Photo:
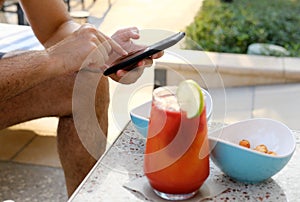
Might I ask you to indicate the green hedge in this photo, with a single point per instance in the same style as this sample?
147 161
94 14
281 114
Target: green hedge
232 27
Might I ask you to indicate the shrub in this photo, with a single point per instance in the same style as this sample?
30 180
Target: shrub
232 27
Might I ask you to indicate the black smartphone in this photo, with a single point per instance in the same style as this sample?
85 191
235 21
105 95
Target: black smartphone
129 62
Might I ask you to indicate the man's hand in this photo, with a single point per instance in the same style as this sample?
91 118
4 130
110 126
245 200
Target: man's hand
87 48
123 38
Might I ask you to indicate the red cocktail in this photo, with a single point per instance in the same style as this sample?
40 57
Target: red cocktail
176 159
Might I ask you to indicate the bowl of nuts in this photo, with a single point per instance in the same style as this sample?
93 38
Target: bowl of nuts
253 150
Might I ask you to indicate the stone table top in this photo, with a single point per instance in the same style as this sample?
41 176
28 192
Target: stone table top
123 162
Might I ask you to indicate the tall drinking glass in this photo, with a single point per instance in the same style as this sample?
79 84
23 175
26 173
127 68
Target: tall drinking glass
176 160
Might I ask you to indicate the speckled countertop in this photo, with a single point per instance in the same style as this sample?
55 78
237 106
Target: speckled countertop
123 162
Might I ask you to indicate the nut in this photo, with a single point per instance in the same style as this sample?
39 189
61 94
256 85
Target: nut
245 143
272 153
261 148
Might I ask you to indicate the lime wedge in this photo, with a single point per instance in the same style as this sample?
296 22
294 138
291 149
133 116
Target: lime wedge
190 98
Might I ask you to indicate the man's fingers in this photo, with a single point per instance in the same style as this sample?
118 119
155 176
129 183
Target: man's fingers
157 55
117 48
103 50
145 63
110 44
127 77
127 33
104 42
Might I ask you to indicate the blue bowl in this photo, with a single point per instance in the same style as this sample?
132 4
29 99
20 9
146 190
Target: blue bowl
140 118
140 115
247 165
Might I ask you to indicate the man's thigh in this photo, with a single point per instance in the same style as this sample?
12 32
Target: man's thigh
52 98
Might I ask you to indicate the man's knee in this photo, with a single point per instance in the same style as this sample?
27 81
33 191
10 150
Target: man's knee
68 86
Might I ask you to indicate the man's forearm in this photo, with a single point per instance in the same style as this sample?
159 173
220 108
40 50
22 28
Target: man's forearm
63 31
49 20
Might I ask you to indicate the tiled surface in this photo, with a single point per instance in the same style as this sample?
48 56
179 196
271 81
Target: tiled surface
232 104
40 151
280 102
43 126
12 142
239 104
